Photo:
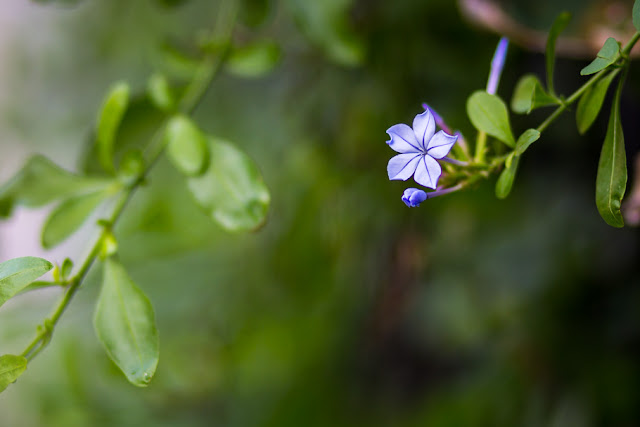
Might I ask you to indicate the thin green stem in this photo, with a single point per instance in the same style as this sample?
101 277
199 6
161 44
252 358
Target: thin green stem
188 102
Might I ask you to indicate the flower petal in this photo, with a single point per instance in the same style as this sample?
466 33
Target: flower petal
424 125
412 197
403 166
428 172
403 140
441 144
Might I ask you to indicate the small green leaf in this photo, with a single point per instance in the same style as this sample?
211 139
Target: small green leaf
132 167
591 103
125 324
11 367
113 109
505 181
611 181
41 182
540 98
609 54
253 60
489 114
17 273
558 26
69 216
523 94
160 93
527 138
636 15
65 269
186 146
231 190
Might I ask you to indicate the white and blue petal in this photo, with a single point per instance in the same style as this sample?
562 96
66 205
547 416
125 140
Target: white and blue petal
441 144
428 172
403 166
424 126
403 140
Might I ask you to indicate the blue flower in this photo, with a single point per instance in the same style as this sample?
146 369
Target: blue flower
419 149
412 197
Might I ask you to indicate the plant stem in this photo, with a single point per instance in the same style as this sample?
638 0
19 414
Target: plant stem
188 102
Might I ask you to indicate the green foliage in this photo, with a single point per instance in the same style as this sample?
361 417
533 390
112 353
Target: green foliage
591 102
231 191
186 146
609 54
41 182
611 181
17 273
527 138
558 26
125 324
253 60
636 15
113 109
506 178
160 94
11 367
489 114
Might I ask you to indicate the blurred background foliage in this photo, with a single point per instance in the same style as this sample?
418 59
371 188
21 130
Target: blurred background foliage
346 308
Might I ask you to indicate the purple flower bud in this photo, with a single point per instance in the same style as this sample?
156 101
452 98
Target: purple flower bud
412 197
497 63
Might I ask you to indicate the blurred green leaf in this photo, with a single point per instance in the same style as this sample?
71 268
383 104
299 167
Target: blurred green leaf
611 181
159 92
65 219
326 23
523 94
41 182
609 54
17 273
558 26
636 14
65 269
11 367
489 114
591 102
253 60
113 109
186 146
125 324
231 190
527 138
505 180
254 12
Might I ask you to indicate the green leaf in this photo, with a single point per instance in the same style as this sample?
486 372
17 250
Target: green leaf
17 273
11 367
69 216
41 182
505 180
558 26
611 181
609 54
489 114
527 138
159 92
231 190
253 60
523 94
186 146
540 98
591 102
636 15
113 109
125 324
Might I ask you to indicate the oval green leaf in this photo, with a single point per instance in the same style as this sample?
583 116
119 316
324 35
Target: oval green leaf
609 54
69 216
125 325
11 367
186 146
636 14
611 181
232 190
253 60
489 114
159 92
558 26
505 180
17 273
113 109
591 103
41 182
523 94
527 138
